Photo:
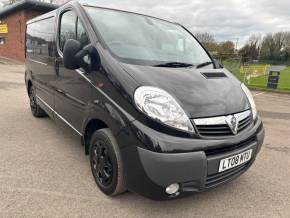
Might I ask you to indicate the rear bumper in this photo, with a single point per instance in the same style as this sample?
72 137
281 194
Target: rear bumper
149 173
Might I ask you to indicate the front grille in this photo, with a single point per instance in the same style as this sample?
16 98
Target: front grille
218 178
214 130
218 127
224 149
243 124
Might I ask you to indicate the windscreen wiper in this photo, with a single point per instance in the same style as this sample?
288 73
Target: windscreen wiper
204 64
174 64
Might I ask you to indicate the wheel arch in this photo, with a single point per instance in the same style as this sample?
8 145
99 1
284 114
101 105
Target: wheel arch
100 116
29 85
92 126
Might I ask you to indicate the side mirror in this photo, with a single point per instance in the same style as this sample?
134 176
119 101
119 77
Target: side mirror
217 64
71 48
74 56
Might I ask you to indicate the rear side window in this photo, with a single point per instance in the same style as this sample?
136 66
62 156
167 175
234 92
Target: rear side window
39 38
71 28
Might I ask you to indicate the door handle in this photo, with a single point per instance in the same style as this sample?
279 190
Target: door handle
60 91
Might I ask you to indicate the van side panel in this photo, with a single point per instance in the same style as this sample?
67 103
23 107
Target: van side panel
40 57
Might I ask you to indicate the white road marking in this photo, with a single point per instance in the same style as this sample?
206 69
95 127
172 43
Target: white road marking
260 93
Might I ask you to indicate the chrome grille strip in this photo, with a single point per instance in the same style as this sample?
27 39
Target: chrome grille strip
221 120
222 126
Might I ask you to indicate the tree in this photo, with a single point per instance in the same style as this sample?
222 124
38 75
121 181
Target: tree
286 49
208 42
12 2
205 37
251 50
275 46
226 50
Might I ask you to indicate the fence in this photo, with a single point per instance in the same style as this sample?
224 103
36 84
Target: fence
260 75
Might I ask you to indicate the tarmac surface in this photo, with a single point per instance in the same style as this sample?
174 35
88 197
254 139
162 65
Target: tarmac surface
44 172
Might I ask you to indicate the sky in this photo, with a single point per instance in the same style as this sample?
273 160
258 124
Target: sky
225 19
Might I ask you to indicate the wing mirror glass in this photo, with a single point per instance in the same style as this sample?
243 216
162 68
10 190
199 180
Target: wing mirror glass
75 57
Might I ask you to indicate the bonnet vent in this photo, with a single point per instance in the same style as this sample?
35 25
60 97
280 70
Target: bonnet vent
214 75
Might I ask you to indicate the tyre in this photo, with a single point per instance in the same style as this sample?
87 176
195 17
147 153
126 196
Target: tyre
106 163
36 110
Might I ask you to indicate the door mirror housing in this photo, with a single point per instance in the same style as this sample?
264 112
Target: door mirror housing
75 57
217 64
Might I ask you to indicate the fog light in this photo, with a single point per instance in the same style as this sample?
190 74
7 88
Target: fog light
172 189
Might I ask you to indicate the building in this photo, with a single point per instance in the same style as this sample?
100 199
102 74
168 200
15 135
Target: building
13 20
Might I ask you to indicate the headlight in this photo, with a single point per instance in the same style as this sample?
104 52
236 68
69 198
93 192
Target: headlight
251 100
161 106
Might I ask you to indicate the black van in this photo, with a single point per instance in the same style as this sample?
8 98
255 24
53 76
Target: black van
156 114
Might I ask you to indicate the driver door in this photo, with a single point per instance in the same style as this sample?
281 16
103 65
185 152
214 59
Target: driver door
73 91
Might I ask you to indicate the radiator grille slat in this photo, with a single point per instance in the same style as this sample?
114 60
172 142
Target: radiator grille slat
208 128
219 150
215 179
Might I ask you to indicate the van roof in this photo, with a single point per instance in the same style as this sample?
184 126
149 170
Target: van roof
90 4
104 6
41 17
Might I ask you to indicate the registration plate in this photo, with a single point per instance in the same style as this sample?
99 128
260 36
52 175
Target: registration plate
236 160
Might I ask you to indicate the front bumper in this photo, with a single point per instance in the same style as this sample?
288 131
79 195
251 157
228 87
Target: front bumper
149 173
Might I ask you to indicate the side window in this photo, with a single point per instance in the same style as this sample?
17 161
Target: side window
71 28
39 38
67 28
82 36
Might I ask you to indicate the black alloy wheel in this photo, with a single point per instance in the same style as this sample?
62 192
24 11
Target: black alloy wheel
36 110
106 162
102 163
32 100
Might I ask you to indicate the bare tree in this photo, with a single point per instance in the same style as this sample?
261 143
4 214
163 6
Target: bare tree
251 50
274 44
205 37
208 42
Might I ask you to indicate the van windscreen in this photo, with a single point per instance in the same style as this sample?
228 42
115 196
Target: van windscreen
134 37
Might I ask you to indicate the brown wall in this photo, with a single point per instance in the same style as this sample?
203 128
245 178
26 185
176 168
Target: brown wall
15 39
